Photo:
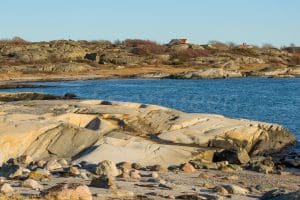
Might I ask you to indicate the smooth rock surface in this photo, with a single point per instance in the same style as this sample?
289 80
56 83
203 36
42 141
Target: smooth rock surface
95 130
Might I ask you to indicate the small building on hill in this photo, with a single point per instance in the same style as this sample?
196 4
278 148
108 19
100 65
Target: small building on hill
179 41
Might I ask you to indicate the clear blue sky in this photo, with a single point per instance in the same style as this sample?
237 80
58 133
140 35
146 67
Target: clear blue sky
252 21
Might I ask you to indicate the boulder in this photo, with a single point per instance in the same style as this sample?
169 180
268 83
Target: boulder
107 168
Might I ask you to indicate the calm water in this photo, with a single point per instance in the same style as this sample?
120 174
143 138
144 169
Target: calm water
269 100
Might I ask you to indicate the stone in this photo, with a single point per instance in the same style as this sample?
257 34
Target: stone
84 175
25 160
234 189
6 189
16 172
208 185
63 162
187 167
107 168
41 163
205 156
155 175
104 182
74 171
203 176
226 168
189 196
159 168
120 194
68 191
53 165
281 195
124 166
233 177
32 184
261 168
39 175
2 180
292 162
137 166
134 174
125 175
274 194
199 164
220 190
268 161
239 156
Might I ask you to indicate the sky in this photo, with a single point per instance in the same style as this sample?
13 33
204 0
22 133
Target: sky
251 21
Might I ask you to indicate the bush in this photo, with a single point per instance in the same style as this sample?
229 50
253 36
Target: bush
189 53
144 47
295 60
243 51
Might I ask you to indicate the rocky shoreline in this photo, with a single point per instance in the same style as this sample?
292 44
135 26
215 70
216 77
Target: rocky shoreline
52 147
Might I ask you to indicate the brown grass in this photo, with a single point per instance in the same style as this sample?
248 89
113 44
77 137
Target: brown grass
144 47
243 51
187 54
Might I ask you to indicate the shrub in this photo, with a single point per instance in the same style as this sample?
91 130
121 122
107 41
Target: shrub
189 53
243 51
295 60
144 47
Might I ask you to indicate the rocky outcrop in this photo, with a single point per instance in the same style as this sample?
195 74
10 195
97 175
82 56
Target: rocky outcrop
142 59
94 130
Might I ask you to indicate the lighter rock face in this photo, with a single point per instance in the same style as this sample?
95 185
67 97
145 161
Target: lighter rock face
94 130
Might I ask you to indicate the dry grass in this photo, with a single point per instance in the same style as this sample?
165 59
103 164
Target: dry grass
185 55
144 47
243 52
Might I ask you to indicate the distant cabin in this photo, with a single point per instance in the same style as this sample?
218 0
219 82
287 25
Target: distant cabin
179 41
